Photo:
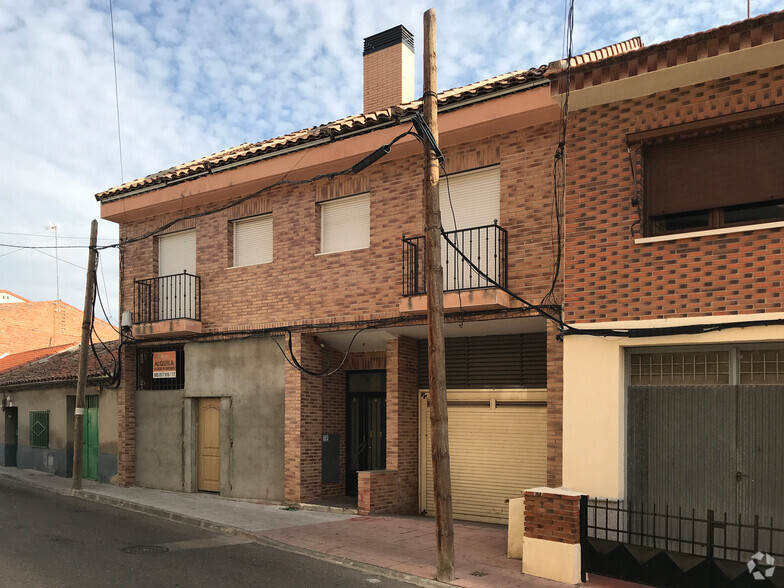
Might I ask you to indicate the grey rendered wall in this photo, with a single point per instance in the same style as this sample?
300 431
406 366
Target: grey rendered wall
159 439
249 376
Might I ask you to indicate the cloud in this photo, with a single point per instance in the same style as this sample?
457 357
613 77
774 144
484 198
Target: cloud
195 77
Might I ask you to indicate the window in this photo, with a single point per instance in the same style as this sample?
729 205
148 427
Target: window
39 428
725 178
475 198
253 240
160 369
345 224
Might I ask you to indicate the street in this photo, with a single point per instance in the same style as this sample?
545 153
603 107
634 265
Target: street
53 540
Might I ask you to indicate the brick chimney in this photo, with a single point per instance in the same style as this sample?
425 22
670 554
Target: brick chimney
389 68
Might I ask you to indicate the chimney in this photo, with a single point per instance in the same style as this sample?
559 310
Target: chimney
389 69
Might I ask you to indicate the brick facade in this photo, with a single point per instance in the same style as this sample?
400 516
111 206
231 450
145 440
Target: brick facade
552 517
126 418
610 277
554 406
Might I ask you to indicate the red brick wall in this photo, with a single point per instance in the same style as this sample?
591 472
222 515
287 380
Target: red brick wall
333 409
607 275
554 407
553 517
377 492
126 418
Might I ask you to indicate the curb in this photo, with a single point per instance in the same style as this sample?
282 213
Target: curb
214 527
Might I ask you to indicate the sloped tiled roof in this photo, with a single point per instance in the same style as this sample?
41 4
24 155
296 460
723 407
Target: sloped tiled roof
35 325
18 359
332 130
62 367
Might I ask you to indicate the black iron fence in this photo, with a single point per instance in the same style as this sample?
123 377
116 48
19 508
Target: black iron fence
673 547
167 297
468 256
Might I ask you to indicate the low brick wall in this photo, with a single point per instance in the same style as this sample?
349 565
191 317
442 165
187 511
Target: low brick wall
378 492
552 517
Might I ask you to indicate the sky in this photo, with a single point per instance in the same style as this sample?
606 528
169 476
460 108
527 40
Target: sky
195 76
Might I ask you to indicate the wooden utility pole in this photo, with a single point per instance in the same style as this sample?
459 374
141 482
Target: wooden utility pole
434 278
87 321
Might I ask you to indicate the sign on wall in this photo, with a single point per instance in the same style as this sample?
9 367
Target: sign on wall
164 364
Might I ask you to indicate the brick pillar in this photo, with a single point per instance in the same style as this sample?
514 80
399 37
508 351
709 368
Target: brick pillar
303 423
554 407
551 543
402 420
126 418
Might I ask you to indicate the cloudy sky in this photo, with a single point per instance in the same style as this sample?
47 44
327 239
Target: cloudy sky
195 77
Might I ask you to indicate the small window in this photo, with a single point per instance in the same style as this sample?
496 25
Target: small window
160 369
253 240
723 178
679 369
345 224
39 428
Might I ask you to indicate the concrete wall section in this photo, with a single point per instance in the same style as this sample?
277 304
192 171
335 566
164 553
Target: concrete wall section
594 399
159 439
249 376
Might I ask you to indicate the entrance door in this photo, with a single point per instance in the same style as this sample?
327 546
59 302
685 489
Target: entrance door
208 450
11 433
90 440
366 424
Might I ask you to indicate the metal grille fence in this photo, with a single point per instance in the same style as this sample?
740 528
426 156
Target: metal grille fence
167 297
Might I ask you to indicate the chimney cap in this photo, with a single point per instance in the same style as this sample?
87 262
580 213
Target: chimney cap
388 38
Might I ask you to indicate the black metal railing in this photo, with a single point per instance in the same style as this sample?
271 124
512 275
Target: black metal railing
468 256
167 297
707 534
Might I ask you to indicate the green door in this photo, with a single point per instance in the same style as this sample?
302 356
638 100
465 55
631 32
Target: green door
90 440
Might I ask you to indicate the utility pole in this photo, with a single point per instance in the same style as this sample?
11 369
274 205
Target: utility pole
434 278
87 322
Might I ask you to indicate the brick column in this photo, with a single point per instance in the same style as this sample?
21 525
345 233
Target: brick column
551 542
554 407
126 418
303 423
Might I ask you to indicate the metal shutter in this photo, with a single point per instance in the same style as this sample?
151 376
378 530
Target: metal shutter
475 198
253 240
177 253
495 453
345 224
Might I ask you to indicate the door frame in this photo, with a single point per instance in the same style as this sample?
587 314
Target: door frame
350 482
7 416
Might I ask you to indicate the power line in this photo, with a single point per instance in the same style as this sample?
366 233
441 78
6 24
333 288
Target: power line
116 93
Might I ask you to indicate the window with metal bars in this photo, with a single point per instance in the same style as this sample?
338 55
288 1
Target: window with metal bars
148 378
39 428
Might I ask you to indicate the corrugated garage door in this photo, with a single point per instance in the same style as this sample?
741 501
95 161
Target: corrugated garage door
498 447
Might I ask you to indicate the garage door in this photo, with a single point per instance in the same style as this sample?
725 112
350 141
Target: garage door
497 446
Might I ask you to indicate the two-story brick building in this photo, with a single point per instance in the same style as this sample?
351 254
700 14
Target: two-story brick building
240 285
673 359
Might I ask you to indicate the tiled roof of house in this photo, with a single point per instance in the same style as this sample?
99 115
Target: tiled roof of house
62 367
35 325
16 297
18 359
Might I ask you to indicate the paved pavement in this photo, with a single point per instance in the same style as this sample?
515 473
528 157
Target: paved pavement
403 547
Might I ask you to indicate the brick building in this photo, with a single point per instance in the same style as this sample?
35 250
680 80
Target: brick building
673 379
235 284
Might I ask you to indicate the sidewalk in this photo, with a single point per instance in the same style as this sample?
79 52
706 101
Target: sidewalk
404 547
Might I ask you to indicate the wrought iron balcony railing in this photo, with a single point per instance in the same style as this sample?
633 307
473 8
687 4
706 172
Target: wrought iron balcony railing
485 247
166 298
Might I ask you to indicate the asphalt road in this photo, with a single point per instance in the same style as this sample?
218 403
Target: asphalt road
51 540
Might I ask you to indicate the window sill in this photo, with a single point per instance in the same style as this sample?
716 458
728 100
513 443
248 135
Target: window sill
709 232
341 251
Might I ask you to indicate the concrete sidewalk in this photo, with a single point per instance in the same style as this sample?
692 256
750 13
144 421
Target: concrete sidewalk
403 547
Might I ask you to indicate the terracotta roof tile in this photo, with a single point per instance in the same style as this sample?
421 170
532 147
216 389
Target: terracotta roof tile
18 359
61 367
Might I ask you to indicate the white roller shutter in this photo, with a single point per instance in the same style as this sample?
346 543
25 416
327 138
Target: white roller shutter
177 253
345 224
253 240
495 453
476 198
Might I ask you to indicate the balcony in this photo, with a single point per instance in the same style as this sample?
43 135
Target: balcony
464 287
167 306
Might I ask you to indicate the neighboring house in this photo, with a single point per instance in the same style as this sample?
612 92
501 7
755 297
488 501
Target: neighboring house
7 296
14 360
38 400
208 401
26 325
674 221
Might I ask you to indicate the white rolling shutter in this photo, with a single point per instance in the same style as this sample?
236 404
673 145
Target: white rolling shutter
496 451
345 224
476 198
253 240
177 253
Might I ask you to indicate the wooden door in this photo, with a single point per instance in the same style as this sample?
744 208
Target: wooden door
208 449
